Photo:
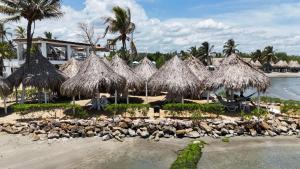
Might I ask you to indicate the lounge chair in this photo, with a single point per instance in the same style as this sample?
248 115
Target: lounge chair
230 106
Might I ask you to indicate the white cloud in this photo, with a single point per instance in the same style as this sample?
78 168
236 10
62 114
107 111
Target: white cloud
251 29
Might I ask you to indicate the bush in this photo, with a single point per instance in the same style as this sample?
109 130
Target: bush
261 113
177 109
130 108
189 157
290 109
38 106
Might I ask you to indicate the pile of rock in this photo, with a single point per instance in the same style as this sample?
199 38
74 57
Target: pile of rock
119 128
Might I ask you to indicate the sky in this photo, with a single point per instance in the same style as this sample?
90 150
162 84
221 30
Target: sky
169 25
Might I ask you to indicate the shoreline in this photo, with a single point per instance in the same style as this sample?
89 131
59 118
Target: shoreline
283 75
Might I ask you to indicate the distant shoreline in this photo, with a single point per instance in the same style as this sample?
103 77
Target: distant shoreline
287 74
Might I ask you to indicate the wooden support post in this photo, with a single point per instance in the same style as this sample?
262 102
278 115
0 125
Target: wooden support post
17 101
23 94
5 107
258 101
98 101
208 95
127 98
73 101
116 97
182 100
45 95
147 91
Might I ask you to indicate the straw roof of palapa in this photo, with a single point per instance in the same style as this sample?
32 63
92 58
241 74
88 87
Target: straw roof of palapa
198 68
39 73
93 77
176 78
5 87
236 74
281 63
105 60
71 67
294 64
256 63
145 69
120 67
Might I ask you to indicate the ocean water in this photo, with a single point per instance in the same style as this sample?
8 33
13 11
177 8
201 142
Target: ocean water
284 88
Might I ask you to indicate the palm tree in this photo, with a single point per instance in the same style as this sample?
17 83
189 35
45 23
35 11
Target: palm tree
6 52
48 35
206 53
3 32
120 23
32 11
256 56
20 32
230 47
268 56
194 51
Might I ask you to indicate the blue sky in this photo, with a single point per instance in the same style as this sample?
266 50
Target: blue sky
169 25
166 9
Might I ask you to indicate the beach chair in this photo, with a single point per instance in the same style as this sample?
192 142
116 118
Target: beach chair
229 106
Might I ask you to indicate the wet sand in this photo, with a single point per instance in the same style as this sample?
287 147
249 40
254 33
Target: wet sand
86 153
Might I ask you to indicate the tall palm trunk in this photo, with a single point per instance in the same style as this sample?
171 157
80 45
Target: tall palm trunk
29 41
1 67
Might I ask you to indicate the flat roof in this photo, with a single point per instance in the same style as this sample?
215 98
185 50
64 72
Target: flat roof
53 40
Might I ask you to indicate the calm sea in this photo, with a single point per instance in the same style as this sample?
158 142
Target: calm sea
285 88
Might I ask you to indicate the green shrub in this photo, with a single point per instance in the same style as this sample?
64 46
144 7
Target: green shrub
27 108
38 106
130 108
189 157
177 109
261 113
267 99
290 109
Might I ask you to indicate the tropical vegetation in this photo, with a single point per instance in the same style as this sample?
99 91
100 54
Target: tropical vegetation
31 11
121 24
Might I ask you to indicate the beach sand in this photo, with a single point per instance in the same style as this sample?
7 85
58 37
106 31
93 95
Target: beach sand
287 74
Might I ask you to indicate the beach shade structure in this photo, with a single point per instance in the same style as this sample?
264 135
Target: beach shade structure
294 66
281 66
176 78
71 67
133 81
235 74
5 90
105 60
38 72
145 69
93 77
198 68
256 64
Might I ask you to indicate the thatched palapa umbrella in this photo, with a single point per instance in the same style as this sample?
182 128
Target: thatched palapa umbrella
105 60
71 68
120 67
256 64
5 90
145 70
39 73
175 78
93 77
198 68
294 65
235 74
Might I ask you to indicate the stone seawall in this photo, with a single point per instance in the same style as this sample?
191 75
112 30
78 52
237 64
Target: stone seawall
119 128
